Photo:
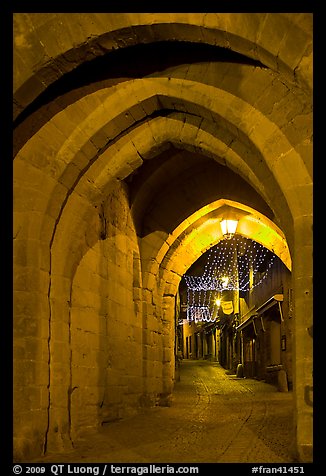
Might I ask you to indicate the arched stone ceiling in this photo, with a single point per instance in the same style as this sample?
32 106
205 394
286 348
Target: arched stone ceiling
106 130
137 143
99 124
199 232
49 45
188 179
270 95
124 98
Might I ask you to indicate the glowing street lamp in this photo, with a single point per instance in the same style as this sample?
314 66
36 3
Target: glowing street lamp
229 228
225 281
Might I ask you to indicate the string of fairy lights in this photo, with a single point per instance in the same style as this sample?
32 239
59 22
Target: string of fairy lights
232 265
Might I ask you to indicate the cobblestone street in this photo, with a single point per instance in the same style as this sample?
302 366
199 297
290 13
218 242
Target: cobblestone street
214 417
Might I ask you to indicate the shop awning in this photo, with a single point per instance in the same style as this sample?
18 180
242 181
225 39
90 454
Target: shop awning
248 319
272 301
276 299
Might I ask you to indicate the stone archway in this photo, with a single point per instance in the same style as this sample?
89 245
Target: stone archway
71 171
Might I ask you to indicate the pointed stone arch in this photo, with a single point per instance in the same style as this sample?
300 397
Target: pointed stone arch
81 156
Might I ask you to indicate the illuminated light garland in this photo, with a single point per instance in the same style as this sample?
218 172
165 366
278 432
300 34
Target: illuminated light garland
199 313
220 275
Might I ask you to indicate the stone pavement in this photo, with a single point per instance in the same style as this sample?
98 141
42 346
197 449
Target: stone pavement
214 418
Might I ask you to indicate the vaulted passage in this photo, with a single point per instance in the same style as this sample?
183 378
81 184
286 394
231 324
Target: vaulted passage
135 135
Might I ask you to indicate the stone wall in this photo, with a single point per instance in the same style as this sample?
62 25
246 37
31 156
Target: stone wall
31 310
99 349
106 332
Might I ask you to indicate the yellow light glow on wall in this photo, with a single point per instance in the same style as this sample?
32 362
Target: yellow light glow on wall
202 230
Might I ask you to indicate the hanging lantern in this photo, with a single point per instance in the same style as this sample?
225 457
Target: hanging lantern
229 227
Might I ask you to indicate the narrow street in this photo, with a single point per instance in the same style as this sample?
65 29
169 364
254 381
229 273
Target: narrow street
214 417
